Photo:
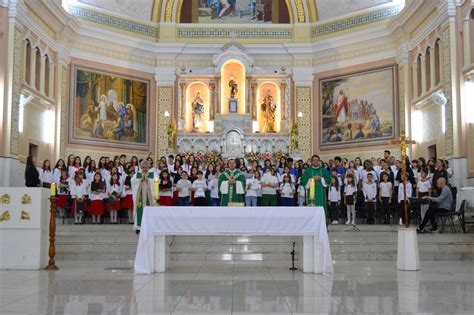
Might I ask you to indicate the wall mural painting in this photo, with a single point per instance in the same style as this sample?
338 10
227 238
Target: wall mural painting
235 11
109 109
358 108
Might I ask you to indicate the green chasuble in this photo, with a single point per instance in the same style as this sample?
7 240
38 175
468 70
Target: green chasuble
320 190
145 198
231 193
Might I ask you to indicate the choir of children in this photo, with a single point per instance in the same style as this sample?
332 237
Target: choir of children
109 185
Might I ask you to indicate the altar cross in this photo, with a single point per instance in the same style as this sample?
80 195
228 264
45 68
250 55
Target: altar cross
403 142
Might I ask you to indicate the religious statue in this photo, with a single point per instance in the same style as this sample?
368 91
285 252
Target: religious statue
233 87
268 107
232 185
171 134
198 111
294 136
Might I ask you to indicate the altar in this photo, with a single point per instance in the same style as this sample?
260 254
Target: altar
159 222
233 107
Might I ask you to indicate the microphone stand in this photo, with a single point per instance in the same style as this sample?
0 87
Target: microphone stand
293 253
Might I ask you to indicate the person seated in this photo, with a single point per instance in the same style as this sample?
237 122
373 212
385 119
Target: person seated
440 204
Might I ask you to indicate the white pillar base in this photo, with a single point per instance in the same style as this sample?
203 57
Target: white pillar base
407 254
161 259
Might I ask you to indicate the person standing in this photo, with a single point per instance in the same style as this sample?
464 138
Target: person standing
269 185
321 178
142 184
183 187
32 177
232 184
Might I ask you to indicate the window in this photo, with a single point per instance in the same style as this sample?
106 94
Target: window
437 67
418 75
38 69
28 62
428 68
46 76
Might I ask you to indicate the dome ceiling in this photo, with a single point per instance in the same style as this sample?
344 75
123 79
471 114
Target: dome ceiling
328 9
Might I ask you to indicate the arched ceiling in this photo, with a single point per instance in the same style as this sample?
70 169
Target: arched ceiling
167 10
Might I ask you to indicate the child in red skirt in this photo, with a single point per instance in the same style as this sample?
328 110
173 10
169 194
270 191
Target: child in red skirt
114 191
96 197
166 188
63 192
127 201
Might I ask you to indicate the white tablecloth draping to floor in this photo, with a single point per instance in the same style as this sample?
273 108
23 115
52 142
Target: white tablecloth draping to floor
309 222
466 193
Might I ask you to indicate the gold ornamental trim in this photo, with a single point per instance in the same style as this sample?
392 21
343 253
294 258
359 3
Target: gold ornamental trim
300 11
169 11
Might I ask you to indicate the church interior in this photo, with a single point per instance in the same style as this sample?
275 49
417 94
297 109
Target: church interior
133 84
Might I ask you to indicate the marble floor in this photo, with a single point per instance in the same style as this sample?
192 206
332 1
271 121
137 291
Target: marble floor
441 287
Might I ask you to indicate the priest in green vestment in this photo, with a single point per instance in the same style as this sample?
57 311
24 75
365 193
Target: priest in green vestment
142 186
321 177
232 185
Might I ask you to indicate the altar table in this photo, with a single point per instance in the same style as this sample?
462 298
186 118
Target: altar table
157 222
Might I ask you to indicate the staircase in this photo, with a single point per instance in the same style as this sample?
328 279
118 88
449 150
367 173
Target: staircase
115 246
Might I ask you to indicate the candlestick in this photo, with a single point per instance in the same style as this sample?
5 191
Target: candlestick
312 191
53 190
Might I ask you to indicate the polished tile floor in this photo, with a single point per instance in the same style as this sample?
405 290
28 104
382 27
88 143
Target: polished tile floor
441 287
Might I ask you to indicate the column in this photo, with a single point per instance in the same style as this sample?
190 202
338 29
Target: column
303 78
283 100
51 80
212 105
218 103
423 75
414 68
247 96
33 67
253 86
165 89
182 85
42 72
432 67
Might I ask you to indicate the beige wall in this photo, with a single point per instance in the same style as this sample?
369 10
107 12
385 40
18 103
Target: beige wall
3 79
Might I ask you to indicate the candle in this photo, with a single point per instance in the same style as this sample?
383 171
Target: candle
156 188
312 191
53 189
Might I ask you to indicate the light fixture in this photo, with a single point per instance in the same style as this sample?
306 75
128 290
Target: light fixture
48 125
300 114
167 114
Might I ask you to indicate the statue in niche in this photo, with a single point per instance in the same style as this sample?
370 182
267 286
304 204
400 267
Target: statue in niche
233 86
198 111
268 108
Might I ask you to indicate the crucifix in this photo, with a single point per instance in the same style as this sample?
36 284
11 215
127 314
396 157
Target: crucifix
403 141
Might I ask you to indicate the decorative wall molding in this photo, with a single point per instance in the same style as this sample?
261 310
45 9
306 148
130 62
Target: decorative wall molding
359 20
260 32
304 105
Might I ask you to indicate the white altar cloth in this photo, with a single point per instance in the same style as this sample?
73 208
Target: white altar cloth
157 222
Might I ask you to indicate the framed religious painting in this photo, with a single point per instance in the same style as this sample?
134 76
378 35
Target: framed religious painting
358 108
109 109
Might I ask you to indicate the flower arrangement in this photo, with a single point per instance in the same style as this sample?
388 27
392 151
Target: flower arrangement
252 156
265 156
200 156
213 157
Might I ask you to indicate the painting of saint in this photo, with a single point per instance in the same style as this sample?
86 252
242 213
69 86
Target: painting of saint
98 101
358 107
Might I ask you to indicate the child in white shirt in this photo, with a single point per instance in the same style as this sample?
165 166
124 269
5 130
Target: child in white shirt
199 187
253 185
287 192
334 199
423 189
385 197
183 186
401 197
370 194
350 194
213 187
